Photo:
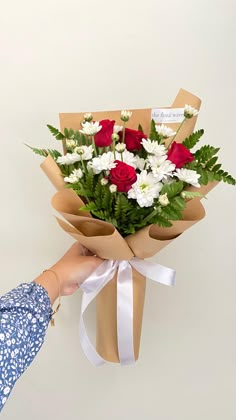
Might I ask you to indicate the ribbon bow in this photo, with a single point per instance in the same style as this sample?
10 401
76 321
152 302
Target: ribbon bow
95 283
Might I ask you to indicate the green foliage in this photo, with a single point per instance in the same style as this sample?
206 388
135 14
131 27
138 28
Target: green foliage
140 128
225 177
193 139
161 221
204 176
191 194
172 189
174 209
107 199
205 153
89 181
211 162
122 207
89 207
79 138
206 165
55 132
45 152
154 134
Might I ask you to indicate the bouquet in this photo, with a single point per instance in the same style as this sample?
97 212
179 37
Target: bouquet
129 183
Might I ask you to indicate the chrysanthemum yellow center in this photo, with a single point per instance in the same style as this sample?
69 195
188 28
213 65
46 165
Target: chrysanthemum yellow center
143 186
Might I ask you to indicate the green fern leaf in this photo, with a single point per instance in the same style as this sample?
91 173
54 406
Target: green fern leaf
170 213
193 139
211 162
172 189
154 134
216 167
89 182
106 199
204 176
179 203
211 176
225 177
140 128
41 152
89 207
205 153
45 152
55 132
162 222
191 194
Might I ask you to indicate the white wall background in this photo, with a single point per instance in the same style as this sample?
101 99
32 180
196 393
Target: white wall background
59 55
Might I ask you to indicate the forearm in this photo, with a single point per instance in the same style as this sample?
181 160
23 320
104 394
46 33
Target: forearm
24 316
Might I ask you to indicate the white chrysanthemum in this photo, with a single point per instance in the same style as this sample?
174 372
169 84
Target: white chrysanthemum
68 159
90 128
165 131
84 152
145 189
115 137
127 157
190 112
88 116
188 175
161 167
70 143
125 115
113 188
104 181
120 147
163 200
117 129
167 180
153 147
155 161
103 162
140 163
74 177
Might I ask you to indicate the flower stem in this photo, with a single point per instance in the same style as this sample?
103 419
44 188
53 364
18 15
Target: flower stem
182 123
114 148
150 216
83 166
123 133
94 146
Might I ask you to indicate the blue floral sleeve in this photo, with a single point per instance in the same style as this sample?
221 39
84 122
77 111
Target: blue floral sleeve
24 316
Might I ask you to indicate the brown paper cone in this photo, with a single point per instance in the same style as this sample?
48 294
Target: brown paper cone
103 239
53 172
106 308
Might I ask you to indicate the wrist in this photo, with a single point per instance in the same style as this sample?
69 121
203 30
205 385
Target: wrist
49 281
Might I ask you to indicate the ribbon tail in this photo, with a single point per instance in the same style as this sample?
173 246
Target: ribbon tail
154 271
125 314
88 348
100 278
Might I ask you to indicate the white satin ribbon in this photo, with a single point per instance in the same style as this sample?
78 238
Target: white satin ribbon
95 283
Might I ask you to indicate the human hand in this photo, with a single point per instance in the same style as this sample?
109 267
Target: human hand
72 269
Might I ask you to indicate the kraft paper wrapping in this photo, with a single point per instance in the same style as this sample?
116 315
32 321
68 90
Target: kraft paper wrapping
105 241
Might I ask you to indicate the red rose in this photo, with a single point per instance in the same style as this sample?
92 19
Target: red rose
123 176
133 139
179 155
103 137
